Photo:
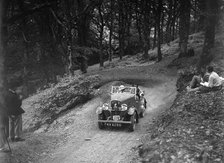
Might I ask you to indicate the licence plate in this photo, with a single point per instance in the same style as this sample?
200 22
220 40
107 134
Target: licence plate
116 117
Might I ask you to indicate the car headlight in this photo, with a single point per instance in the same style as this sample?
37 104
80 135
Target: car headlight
124 107
142 106
106 106
99 110
131 111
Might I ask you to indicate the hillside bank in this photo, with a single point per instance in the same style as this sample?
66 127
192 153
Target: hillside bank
192 129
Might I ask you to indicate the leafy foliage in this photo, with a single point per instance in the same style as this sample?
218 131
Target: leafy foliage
47 38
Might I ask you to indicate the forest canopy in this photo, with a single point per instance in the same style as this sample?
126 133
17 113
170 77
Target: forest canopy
46 38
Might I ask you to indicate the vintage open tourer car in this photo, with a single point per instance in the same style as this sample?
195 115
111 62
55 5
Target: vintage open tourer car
125 108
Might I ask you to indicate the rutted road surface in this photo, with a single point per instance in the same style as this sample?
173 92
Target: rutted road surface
86 143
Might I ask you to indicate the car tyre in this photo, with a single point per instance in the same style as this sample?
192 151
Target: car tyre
142 114
100 124
133 120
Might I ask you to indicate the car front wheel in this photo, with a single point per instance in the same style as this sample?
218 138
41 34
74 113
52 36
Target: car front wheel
100 124
142 114
133 120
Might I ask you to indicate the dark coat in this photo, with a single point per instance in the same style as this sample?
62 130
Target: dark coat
13 103
3 116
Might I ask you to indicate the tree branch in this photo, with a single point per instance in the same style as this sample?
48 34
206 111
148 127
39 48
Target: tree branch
57 19
27 12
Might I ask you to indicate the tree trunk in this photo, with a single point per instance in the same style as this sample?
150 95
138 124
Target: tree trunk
3 43
69 38
202 15
146 28
121 28
2 53
155 36
168 23
70 61
173 29
25 63
185 8
162 25
82 24
195 17
138 22
101 35
159 10
111 28
212 10
82 31
174 19
127 28
167 36
3 115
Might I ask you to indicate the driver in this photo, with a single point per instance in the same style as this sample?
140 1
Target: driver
121 88
138 91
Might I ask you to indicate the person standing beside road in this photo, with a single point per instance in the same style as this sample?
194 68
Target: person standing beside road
13 104
3 117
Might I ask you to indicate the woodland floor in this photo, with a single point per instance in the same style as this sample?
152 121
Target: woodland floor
192 129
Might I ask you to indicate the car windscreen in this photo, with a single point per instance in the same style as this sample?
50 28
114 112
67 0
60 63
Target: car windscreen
115 103
116 89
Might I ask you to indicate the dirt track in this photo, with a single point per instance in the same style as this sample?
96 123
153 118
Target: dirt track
74 137
86 143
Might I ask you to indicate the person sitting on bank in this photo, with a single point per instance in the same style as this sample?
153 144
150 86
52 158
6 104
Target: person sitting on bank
214 82
201 77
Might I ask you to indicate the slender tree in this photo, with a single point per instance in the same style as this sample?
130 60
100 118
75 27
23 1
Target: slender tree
185 7
121 32
202 14
138 17
68 8
159 13
25 59
212 11
175 14
168 22
111 28
101 33
2 76
146 27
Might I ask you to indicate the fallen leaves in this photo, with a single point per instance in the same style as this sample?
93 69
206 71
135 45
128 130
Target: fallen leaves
192 130
46 106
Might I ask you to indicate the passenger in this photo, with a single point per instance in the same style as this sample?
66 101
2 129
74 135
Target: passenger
143 100
214 82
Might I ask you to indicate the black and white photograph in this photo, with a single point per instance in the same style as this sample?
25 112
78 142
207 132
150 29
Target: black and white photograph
111 81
